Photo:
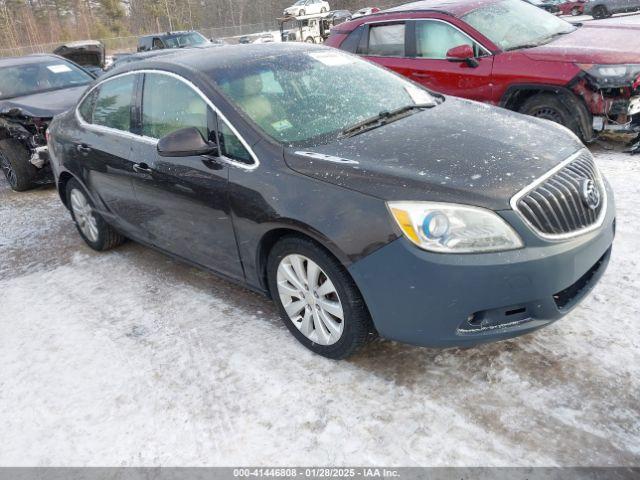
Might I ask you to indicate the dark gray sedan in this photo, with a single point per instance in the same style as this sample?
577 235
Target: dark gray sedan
360 202
606 8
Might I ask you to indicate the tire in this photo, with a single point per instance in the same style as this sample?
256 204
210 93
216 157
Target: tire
310 40
301 13
14 162
600 12
549 107
323 10
102 236
355 328
575 11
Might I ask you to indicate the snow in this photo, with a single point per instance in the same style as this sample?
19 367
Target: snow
130 358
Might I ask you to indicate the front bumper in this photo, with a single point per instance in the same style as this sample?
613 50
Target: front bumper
443 300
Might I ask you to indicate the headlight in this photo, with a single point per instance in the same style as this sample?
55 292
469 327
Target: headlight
452 228
613 75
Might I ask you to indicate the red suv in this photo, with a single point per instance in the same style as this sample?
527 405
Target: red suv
512 54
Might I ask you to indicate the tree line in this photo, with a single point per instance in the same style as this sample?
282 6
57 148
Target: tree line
37 22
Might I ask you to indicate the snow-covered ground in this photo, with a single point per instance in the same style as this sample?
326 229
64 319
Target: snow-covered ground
131 358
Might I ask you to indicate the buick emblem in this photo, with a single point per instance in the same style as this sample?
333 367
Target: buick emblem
590 194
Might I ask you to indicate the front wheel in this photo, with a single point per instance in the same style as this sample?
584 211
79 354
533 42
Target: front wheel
97 233
549 107
14 163
317 299
601 12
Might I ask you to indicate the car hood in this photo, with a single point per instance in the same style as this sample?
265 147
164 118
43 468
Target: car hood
598 44
460 151
45 104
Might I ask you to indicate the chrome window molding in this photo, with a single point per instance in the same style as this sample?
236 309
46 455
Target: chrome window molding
562 236
154 141
487 52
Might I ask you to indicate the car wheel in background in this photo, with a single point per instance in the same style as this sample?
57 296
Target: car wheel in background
575 11
301 13
14 163
601 12
549 107
323 9
97 233
317 299
310 40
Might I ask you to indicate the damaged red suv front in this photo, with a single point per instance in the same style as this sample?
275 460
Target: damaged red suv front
512 54
612 95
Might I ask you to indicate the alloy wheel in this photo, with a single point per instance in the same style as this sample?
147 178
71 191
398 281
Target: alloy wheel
310 299
5 166
83 213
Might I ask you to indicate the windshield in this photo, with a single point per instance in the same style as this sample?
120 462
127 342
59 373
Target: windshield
304 99
184 40
300 2
54 74
512 24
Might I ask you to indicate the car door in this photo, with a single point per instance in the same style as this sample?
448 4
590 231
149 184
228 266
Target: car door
430 40
182 202
385 43
103 148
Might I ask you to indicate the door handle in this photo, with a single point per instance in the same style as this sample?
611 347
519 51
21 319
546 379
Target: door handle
142 168
421 75
83 148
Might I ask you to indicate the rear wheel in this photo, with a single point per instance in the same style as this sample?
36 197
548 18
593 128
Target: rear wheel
601 12
317 299
549 107
14 162
310 40
97 233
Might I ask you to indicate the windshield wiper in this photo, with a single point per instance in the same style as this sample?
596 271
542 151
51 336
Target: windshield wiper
383 118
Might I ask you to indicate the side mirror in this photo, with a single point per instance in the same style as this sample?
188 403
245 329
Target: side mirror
186 142
463 53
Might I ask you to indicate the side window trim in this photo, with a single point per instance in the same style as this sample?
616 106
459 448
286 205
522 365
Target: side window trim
410 39
216 110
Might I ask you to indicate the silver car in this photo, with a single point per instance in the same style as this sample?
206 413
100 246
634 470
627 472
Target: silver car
606 8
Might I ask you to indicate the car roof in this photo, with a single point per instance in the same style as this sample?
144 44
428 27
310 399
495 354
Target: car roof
456 8
211 60
29 59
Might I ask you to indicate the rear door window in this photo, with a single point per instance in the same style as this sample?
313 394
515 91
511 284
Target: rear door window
86 107
113 103
387 40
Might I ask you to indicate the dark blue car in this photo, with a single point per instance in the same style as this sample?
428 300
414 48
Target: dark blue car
362 203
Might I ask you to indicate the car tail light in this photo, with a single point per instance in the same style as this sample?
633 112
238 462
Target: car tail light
47 135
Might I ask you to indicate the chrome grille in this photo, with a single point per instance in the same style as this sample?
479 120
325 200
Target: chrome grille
555 205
